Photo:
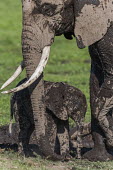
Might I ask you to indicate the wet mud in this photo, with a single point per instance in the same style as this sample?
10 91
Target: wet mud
10 141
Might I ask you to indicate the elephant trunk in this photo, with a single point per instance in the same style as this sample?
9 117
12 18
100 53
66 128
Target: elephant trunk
32 56
33 43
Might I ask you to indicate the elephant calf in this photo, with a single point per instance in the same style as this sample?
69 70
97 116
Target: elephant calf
61 101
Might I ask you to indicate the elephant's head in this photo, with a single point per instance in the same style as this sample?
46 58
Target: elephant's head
42 20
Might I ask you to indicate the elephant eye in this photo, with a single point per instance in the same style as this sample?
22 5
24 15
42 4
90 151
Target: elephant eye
48 9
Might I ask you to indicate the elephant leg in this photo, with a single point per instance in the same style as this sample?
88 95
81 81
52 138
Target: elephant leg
102 117
78 115
99 151
100 100
77 139
26 126
22 110
26 129
51 129
86 136
104 99
63 137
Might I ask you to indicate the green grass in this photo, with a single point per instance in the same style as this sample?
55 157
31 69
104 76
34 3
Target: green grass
11 161
67 63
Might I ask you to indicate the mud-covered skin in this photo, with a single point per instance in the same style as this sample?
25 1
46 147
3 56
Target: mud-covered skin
62 101
88 20
101 87
92 20
87 141
10 141
42 21
58 15
103 101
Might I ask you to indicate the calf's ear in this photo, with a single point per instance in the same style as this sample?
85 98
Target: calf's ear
92 19
54 99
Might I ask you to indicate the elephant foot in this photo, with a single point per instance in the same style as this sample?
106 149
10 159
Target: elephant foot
98 154
27 153
67 157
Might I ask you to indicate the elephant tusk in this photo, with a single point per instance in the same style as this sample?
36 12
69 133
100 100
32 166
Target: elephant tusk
14 76
36 74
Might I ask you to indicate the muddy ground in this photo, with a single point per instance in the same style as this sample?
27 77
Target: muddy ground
10 141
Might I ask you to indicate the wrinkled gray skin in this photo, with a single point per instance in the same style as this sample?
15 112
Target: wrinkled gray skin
94 28
42 20
89 20
101 88
62 101
11 140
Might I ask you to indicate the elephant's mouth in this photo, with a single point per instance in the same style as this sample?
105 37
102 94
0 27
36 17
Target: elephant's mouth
33 78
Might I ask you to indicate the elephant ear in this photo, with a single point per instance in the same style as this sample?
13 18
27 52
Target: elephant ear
92 19
54 98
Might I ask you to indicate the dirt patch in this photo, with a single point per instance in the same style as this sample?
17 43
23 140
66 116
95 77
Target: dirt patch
10 141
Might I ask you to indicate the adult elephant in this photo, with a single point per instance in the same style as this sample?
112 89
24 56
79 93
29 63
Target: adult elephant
91 22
